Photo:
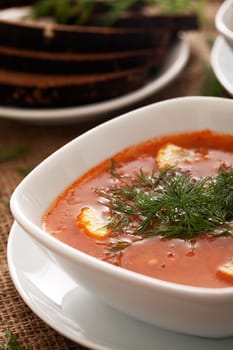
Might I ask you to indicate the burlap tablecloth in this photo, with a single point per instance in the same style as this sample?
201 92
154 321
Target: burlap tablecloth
41 141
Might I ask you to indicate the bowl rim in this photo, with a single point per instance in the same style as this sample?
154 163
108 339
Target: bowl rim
219 20
206 294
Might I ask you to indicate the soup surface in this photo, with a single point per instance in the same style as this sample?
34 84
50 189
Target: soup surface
162 208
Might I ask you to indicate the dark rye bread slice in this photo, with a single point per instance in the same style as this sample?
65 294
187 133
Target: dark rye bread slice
45 36
45 91
74 63
174 23
14 3
72 56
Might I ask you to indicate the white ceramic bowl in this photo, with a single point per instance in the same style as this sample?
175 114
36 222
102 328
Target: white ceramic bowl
222 63
193 310
224 21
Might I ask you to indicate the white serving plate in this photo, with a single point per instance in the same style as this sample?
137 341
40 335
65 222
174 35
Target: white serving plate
224 20
193 310
222 63
173 66
72 311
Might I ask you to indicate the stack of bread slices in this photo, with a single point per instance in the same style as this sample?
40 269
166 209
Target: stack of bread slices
45 65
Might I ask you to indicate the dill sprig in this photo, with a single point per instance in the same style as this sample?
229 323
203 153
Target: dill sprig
210 86
24 171
12 342
174 6
8 152
81 12
171 204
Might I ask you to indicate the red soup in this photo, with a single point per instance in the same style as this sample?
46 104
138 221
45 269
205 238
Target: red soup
163 208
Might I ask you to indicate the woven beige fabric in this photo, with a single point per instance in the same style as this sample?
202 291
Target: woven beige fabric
41 141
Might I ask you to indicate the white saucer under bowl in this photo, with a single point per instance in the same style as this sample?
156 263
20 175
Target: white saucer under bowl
222 63
80 316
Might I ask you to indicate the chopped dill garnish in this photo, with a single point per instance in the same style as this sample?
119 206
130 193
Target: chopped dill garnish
171 204
118 246
112 169
210 86
84 11
210 40
5 203
24 171
8 152
12 342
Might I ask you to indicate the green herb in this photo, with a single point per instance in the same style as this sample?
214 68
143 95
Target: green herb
116 8
112 169
12 342
9 152
174 6
63 10
118 246
210 40
210 86
81 11
171 204
114 250
24 171
5 203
